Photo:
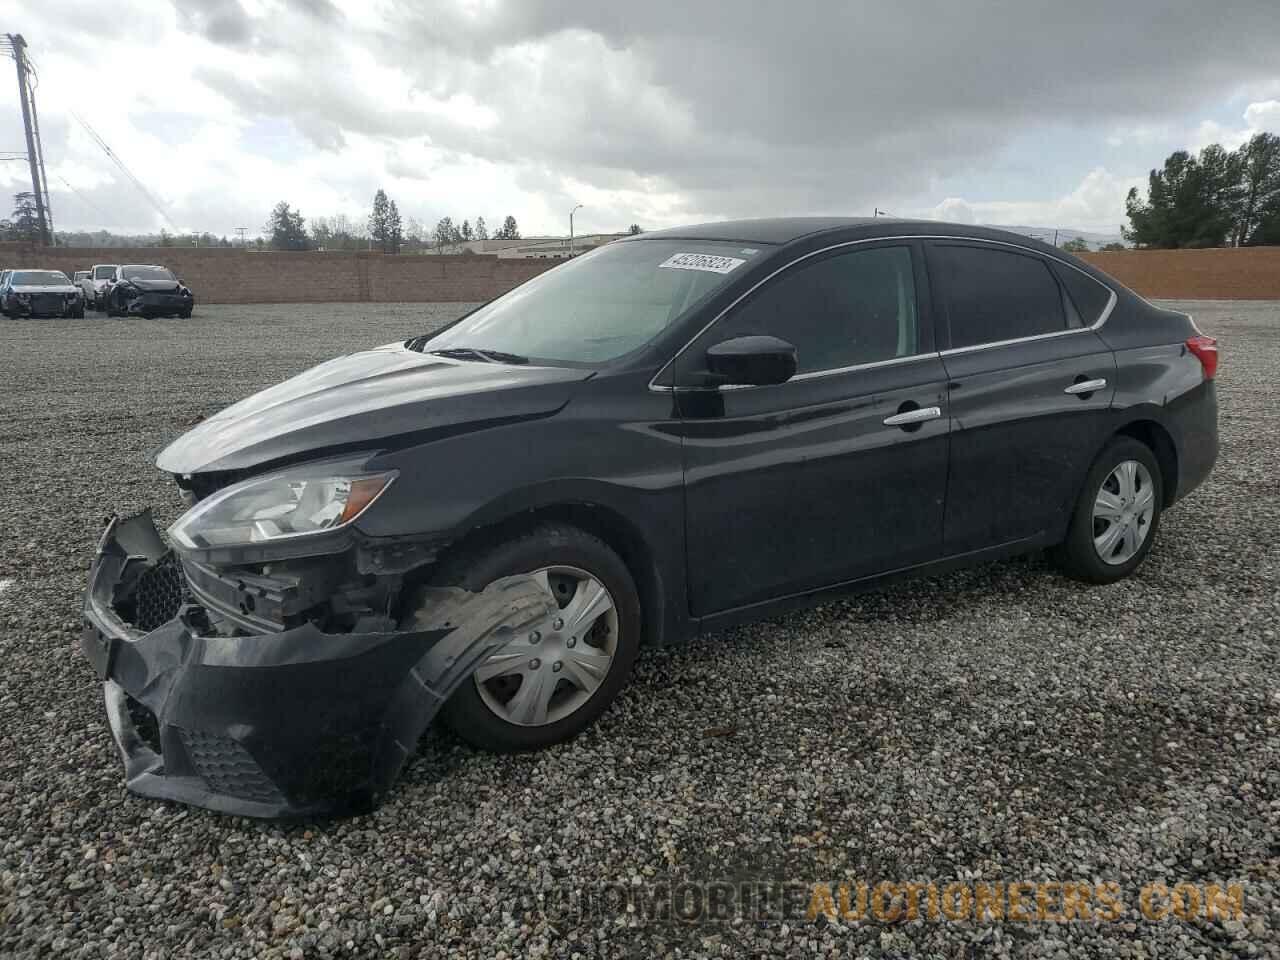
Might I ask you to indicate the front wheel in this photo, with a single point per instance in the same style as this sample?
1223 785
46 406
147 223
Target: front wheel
1116 518
551 683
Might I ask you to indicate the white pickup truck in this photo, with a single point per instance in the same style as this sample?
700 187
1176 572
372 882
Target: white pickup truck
93 283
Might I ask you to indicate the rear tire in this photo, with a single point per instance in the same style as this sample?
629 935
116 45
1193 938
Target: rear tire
1112 509
472 711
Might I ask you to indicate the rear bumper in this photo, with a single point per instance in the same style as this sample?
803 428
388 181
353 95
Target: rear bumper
1194 417
285 724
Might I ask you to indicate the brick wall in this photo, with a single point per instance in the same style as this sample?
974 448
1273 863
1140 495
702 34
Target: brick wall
219 275
233 276
1247 273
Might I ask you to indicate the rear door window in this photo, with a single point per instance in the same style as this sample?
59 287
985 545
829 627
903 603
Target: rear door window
1087 294
993 294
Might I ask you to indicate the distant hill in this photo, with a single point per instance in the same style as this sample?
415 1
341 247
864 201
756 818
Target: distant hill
1095 240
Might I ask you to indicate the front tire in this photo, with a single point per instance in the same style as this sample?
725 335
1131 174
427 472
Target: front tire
552 683
1116 518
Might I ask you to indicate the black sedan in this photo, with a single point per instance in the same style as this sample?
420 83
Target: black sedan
674 433
146 290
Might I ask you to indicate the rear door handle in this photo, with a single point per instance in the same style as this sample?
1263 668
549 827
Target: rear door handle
1086 386
919 415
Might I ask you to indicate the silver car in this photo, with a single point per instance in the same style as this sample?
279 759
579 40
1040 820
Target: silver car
40 293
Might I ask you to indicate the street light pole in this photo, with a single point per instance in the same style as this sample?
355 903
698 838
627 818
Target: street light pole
571 213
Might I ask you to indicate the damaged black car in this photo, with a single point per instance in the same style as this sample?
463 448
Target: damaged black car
146 290
674 433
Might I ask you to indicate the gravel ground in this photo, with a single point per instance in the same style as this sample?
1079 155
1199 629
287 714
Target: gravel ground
1000 724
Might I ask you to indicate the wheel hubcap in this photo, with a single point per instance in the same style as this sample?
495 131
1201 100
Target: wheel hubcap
1122 512
553 670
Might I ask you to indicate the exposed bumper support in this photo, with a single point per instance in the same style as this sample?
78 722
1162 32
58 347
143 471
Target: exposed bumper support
282 724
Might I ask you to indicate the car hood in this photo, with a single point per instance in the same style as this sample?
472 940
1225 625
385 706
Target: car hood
154 286
44 288
383 397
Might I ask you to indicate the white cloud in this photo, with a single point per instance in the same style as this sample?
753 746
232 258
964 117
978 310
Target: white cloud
955 210
1096 204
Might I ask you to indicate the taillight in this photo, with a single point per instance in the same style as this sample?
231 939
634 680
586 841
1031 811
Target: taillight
1206 351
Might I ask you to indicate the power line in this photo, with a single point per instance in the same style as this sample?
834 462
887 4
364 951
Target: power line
123 169
83 199
111 154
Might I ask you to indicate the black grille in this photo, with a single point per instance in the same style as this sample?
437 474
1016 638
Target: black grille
227 767
160 592
46 303
144 723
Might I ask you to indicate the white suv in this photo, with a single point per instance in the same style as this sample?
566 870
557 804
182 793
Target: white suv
92 284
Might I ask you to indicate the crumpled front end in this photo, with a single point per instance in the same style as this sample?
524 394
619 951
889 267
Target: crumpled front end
277 721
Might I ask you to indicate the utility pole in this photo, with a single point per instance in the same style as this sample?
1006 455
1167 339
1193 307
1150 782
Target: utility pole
34 159
242 231
571 213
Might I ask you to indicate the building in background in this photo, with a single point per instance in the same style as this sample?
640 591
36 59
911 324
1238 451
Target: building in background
537 248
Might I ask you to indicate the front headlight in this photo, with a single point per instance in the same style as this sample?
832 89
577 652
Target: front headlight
282 506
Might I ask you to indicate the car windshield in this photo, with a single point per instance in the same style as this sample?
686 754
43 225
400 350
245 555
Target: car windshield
598 306
103 273
147 273
38 278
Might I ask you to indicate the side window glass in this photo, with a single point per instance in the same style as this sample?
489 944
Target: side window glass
1087 294
841 311
994 295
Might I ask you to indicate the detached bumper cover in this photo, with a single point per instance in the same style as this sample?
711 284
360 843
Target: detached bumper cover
285 724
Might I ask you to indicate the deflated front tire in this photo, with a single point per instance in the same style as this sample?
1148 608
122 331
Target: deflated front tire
554 680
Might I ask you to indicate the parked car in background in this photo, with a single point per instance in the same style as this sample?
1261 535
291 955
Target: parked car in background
80 275
40 293
696 427
97 280
147 290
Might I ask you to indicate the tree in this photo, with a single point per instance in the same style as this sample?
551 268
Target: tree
1112 247
445 234
482 232
379 220
464 234
635 229
1190 202
509 231
165 239
25 224
287 228
394 235
1076 245
1259 165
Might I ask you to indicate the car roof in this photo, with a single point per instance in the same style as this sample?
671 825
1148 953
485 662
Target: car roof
785 230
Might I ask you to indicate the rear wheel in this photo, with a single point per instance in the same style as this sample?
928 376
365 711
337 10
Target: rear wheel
551 683
1116 518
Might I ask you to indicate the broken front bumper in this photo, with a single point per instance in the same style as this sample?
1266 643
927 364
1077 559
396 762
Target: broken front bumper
290 723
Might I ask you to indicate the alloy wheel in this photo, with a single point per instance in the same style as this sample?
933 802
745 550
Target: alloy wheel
553 670
1122 512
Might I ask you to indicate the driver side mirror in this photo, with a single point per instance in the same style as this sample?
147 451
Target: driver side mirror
755 361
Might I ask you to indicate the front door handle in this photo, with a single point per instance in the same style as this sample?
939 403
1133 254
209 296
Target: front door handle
909 417
1086 386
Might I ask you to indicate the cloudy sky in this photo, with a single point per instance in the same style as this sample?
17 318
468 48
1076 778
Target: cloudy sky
649 111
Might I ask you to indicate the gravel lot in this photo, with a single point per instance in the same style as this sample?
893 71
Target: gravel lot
998 724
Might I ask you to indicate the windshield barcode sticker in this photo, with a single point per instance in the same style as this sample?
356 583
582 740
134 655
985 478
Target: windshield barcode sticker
701 261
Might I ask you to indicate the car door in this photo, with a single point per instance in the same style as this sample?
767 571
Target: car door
837 474
1030 390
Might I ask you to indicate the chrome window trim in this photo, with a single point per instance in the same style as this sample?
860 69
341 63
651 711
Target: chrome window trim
1096 325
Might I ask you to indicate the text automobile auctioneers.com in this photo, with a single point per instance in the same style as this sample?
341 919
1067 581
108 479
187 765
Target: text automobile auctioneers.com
891 902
